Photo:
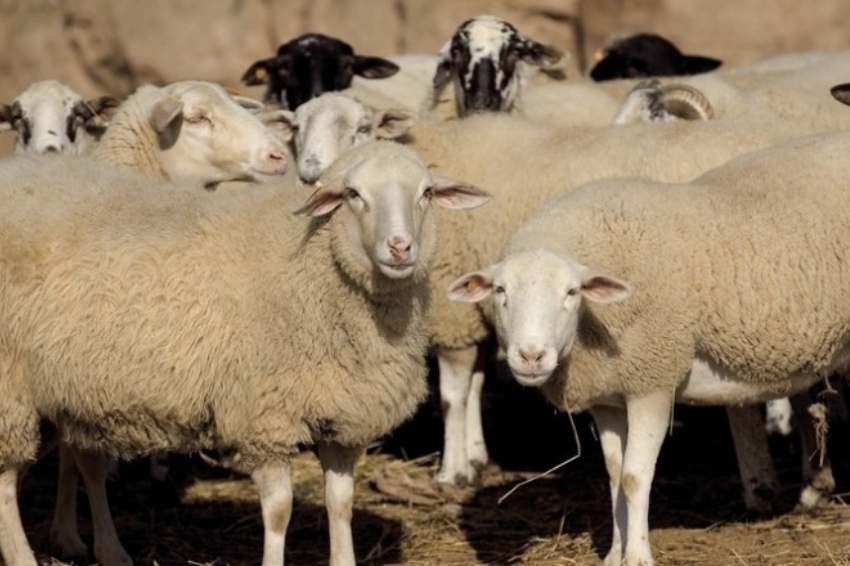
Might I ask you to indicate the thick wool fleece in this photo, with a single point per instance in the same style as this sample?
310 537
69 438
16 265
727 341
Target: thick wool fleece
129 141
746 266
524 164
140 318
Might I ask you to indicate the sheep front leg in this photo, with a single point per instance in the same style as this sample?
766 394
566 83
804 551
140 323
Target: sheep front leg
93 468
274 485
338 466
758 475
456 368
13 541
612 427
648 419
64 531
476 448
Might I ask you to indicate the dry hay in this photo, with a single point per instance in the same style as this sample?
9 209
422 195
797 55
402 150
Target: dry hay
402 517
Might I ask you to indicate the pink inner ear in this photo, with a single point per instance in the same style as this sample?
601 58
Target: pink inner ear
472 288
605 290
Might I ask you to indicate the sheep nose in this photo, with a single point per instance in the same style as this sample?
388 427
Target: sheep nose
51 149
399 247
532 358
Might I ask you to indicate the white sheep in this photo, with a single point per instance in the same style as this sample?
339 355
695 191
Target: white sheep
326 126
50 116
180 320
738 285
525 163
190 131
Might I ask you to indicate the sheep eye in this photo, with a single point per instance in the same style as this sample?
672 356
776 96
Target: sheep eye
499 290
350 193
572 292
428 193
197 119
364 129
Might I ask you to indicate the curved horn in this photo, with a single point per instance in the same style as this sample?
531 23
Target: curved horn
685 102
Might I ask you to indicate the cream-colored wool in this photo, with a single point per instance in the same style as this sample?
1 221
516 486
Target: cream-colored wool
141 318
745 266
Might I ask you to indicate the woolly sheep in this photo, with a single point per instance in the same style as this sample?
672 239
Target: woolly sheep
50 116
701 326
326 126
189 131
213 366
192 131
312 64
546 162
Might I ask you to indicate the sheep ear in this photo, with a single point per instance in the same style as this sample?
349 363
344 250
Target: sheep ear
696 64
281 122
321 203
444 69
96 113
7 117
374 67
164 112
394 123
540 55
603 289
258 73
247 103
453 194
472 287
841 93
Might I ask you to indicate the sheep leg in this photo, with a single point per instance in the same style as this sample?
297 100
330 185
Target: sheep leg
94 467
818 481
274 484
476 448
64 531
456 368
612 427
758 474
338 466
648 419
13 541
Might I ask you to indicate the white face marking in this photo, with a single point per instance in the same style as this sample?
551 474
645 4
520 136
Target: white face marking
47 106
486 38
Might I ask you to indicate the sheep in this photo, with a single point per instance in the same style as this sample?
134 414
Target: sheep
188 131
546 162
49 116
326 126
192 132
647 55
728 290
310 65
464 449
89 252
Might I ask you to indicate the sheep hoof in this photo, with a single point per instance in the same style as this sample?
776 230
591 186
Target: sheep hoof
70 545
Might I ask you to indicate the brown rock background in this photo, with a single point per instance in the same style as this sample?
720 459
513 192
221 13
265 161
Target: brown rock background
100 46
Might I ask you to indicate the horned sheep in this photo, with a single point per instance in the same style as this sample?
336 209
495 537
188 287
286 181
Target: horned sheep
244 272
701 326
552 162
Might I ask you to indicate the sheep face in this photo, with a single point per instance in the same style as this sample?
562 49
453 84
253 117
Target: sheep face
488 62
327 126
49 117
647 55
310 65
538 297
388 194
205 134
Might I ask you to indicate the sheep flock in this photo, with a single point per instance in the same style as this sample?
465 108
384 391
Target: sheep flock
362 257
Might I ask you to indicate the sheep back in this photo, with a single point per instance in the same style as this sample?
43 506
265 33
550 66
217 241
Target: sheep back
144 318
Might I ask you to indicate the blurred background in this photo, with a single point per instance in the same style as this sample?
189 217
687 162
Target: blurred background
112 46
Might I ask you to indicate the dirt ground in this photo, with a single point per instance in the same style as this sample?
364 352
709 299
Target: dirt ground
696 516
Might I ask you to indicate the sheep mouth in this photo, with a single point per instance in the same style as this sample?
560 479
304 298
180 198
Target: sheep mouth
531 379
397 270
